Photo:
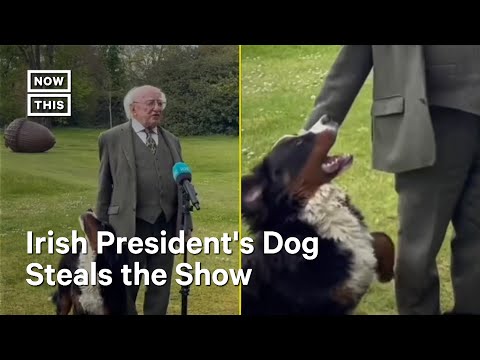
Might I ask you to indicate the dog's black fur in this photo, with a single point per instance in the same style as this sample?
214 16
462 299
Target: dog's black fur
113 297
273 197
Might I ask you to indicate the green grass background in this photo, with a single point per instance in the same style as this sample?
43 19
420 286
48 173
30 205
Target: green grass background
279 86
48 191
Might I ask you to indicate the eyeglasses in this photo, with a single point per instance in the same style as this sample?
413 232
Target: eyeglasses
151 103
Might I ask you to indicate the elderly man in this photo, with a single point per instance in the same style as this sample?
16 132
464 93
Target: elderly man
425 131
137 193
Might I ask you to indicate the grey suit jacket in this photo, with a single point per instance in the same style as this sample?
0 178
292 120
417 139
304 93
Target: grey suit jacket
116 199
402 134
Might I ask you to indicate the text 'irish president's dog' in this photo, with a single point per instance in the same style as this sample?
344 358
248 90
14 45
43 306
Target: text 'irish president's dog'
291 193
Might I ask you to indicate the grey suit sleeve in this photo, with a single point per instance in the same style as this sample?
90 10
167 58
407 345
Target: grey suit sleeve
343 83
105 182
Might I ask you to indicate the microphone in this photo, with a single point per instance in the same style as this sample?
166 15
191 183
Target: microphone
183 176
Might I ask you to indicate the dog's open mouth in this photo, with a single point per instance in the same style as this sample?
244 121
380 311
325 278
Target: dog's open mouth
337 164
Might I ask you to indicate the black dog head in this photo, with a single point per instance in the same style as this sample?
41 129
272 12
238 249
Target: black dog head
91 225
291 173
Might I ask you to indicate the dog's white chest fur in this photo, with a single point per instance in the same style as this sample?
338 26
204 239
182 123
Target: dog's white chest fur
327 213
90 297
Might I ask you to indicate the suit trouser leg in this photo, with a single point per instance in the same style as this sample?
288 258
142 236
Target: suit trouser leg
428 201
465 246
156 297
143 230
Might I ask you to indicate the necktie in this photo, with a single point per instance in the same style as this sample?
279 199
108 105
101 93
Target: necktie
151 144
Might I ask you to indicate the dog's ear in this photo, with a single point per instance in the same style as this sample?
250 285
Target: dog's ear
90 226
252 193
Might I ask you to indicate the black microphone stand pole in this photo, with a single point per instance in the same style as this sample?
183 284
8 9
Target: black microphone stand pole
187 227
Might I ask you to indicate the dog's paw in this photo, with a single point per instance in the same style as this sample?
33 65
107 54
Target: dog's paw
384 250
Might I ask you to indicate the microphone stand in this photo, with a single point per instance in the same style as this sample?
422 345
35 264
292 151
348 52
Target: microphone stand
187 227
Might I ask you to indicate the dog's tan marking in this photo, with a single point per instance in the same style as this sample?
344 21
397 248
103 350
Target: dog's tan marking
65 305
344 296
312 177
77 307
384 250
90 224
105 310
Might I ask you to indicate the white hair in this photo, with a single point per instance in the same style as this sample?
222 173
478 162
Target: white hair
129 98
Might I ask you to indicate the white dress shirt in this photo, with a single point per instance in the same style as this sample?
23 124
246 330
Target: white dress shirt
139 130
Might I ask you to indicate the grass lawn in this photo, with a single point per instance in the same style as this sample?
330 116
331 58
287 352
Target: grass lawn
48 191
279 85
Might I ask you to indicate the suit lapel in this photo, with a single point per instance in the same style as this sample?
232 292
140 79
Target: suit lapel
176 158
171 146
127 145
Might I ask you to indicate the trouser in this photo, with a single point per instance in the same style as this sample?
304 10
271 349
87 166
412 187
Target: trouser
156 297
429 199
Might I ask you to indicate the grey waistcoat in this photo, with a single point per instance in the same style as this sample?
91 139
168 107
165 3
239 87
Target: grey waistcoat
156 189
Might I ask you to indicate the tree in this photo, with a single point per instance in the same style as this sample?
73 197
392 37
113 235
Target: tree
39 57
115 75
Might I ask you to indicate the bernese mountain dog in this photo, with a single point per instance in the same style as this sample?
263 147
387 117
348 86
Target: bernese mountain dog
93 299
291 193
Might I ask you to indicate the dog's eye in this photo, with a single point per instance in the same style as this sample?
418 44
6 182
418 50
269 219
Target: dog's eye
298 142
277 173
